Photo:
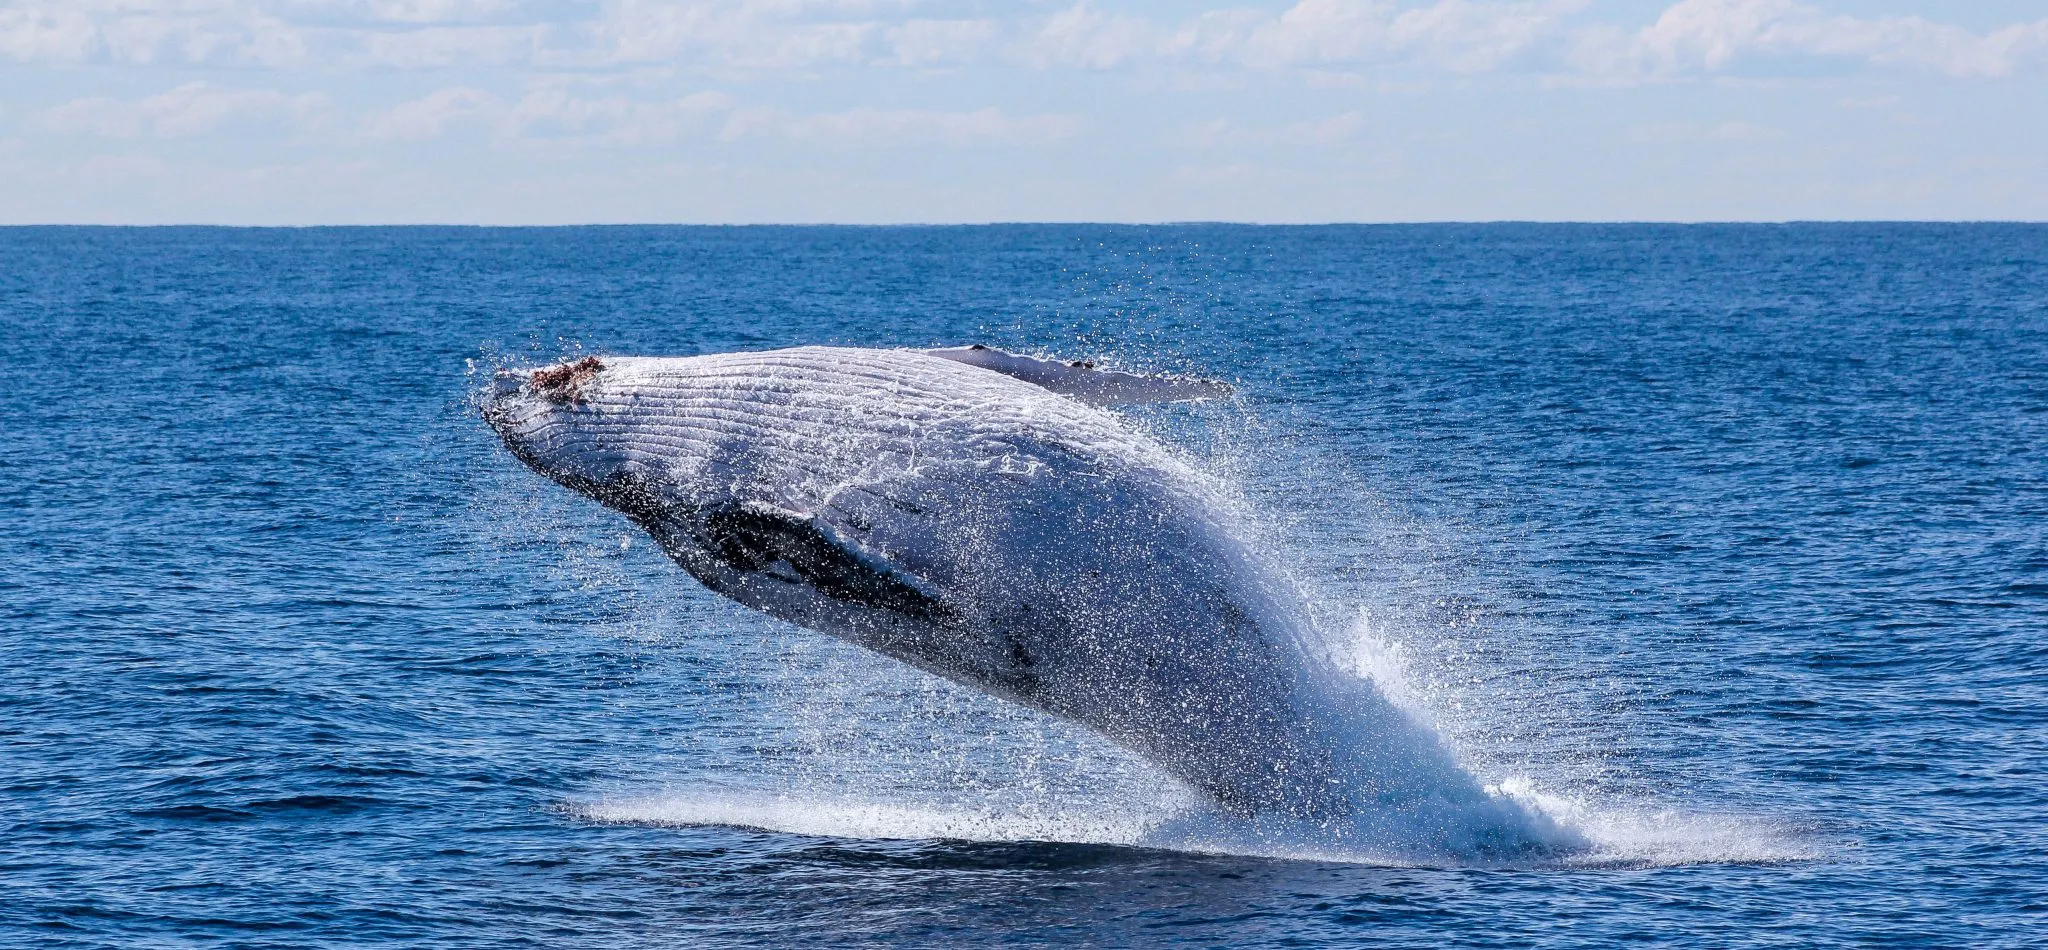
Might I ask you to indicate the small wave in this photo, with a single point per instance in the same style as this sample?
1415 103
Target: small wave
1663 836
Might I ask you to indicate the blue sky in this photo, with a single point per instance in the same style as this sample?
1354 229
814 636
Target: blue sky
564 111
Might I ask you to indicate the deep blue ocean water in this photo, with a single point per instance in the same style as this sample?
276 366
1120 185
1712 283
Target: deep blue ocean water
1730 542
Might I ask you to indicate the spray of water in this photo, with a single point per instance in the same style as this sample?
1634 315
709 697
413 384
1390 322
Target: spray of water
875 752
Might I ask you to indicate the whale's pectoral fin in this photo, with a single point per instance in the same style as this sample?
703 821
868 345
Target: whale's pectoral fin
758 538
1083 381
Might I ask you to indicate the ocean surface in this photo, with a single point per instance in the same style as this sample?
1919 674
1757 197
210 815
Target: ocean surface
1727 545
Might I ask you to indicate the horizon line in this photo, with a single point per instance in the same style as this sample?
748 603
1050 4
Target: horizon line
1447 222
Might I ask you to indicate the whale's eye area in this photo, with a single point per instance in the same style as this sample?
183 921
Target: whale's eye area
563 383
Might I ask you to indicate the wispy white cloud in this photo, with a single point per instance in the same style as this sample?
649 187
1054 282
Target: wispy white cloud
941 42
1343 127
1456 35
763 35
1691 37
1569 37
615 119
437 113
1707 36
47 33
191 109
1086 38
870 128
143 33
560 113
1695 132
551 113
741 34
1274 106
421 11
440 47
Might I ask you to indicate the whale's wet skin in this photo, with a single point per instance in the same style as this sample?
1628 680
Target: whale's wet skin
966 513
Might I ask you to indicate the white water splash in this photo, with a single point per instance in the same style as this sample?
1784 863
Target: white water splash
947 763
866 818
1620 838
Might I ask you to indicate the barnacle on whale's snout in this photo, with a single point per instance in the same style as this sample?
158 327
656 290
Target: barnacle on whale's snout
563 383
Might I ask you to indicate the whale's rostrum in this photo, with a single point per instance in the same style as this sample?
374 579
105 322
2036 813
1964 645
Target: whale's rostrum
974 514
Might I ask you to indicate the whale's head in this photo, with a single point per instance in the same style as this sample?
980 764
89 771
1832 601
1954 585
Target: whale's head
549 419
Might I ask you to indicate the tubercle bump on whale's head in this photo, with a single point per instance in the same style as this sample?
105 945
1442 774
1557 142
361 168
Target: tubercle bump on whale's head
534 411
518 393
563 382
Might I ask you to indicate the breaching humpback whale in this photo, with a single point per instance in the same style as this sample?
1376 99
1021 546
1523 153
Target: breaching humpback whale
973 513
